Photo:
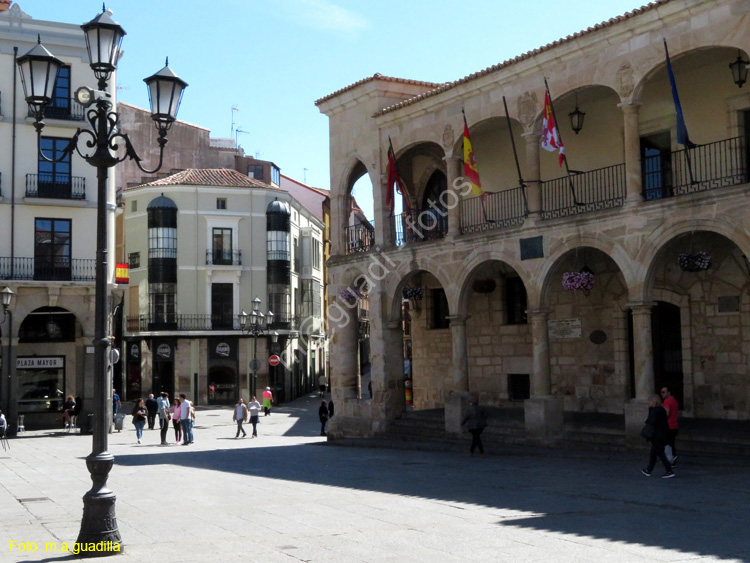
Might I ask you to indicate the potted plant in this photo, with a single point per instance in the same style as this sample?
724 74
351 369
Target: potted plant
350 295
413 293
579 281
694 262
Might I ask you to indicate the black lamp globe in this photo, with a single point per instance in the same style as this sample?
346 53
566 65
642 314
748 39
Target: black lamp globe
103 42
38 72
165 91
739 70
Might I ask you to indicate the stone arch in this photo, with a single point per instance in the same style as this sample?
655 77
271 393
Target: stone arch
475 260
566 96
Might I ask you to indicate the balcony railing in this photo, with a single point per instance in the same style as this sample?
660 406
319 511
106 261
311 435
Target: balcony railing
56 187
506 208
359 239
146 323
603 188
58 268
223 257
705 167
64 108
419 225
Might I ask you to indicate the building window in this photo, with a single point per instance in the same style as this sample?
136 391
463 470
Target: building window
316 254
59 107
52 239
278 303
134 260
222 246
222 306
221 203
297 257
515 301
162 303
278 246
275 175
162 242
311 299
134 206
440 310
54 179
256 171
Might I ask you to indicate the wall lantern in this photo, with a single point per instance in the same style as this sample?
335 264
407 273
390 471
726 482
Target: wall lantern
576 118
739 70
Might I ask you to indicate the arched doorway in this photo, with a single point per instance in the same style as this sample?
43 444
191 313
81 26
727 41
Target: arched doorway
666 331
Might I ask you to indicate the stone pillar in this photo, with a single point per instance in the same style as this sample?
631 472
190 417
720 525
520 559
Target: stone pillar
339 218
533 171
453 169
643 357
632 142
383 236
458 399
543 413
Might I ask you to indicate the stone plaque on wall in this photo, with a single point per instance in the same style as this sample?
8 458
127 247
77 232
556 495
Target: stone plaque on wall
565 328
532 248
729 304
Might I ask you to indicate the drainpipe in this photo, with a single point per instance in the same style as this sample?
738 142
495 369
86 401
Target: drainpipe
13 172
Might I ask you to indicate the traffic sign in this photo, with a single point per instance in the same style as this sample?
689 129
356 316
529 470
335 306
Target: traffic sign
274 360
255 364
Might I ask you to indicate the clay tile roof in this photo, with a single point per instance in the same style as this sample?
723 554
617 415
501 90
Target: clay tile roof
378 76
489 70
218 177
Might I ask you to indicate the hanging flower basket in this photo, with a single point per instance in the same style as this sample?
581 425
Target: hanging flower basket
697 262
484 286
578 281
350 294
413 293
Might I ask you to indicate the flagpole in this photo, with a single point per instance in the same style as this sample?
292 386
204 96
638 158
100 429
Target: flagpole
686 142
482 196
515 156
559 135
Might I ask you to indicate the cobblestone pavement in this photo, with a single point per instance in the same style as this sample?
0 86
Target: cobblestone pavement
288 496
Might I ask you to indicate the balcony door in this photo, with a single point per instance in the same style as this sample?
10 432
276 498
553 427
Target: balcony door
222 306
656 162
54 179
52 239
222 246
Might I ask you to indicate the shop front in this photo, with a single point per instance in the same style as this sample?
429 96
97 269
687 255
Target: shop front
41 385
223 384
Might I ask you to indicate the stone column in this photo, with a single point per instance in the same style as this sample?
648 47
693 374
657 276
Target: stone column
643 358
453 169
339 218
384 234
458 399
632 142
543 413
533 171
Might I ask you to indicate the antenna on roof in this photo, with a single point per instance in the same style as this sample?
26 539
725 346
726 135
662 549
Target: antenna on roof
234 108
258 154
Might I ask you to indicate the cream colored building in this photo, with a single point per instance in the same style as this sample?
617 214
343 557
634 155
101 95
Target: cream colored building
47 230
202 244
494 320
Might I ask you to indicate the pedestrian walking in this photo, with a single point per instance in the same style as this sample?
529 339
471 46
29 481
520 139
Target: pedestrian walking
658 428
670 405
140 413
165 415
322 384
267 400
116 404
176 421
240 417
152 406
323 416
475 419
186 420
253 408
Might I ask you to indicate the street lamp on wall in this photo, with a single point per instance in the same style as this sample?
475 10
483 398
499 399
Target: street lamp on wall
38 69
739 70
258 325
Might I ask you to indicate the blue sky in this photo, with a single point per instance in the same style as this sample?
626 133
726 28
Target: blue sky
273 58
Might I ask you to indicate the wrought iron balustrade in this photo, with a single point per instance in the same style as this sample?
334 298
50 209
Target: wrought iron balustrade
223 257
603 188
358 239
64 108
48 268
705 167
419 225
55 186
147 323
493 210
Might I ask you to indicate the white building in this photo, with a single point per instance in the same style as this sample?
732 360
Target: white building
202 245
47 229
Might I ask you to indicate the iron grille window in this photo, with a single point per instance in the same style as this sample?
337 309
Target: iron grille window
134 260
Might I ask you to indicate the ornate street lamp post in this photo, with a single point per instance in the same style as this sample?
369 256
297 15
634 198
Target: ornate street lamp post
38 69
258 325
9 407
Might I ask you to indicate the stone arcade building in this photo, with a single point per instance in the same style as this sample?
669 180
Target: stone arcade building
494 319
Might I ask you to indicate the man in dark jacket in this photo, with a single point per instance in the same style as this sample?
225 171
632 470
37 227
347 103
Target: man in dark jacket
475 420
152 406
657 419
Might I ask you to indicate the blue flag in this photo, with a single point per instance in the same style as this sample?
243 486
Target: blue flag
682 132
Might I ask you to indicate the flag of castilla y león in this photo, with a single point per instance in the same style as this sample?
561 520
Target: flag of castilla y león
550 137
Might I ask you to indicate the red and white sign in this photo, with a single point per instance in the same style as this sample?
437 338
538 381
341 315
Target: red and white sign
274 360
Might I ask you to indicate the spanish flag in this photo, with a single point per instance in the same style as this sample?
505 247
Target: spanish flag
470 163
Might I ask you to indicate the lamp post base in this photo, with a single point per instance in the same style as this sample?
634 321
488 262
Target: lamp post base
99 535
